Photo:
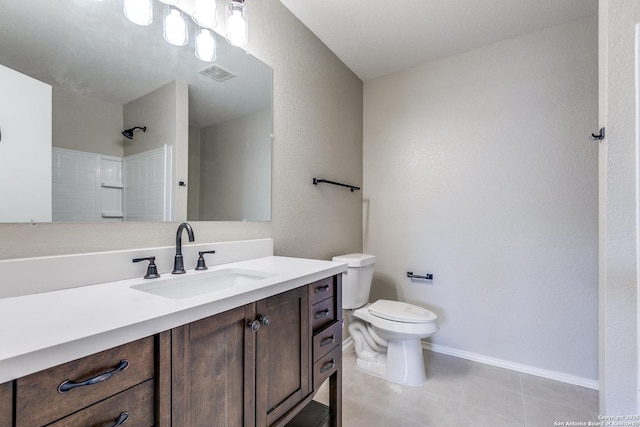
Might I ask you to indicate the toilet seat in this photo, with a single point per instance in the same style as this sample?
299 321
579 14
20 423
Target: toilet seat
401 312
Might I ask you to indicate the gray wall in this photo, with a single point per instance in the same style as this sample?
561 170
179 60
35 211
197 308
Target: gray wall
317 131
86 124
235 169
477 170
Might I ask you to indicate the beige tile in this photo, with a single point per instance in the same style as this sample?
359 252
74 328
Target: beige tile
446 362
396 421
446 375
468 416
349 370
553 391
460 393
356 413
426 408
493 399
322 395
591 398
498 377
541 412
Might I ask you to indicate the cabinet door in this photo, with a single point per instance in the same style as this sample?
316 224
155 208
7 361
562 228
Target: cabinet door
6 404
282 355
213 371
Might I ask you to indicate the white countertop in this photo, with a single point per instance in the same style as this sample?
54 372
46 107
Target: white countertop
46 329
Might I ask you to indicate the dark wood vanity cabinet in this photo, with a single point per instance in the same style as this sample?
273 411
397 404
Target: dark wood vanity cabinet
260 365
6 404
244 367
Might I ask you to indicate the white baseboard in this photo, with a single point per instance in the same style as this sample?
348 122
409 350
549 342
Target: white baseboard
525 369
347 343
518 367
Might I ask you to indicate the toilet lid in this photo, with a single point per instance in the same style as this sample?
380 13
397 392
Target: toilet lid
401 312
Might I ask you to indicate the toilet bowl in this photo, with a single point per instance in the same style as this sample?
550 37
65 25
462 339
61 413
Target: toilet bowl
386 334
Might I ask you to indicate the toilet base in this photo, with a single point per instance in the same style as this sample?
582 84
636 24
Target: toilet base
403 363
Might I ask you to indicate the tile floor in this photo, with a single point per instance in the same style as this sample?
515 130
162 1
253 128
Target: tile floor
460 393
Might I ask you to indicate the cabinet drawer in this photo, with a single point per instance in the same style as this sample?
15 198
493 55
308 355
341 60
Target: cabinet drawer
321 290
326 339
322 314
39 402
325 366
133 407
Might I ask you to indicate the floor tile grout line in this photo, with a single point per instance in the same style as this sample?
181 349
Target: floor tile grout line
524 408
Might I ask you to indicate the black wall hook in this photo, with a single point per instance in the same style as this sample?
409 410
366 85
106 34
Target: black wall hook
598 137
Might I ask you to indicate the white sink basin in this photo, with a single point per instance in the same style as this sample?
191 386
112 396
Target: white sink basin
201 283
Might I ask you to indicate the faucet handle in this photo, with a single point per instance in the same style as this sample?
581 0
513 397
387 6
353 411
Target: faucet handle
201 265
152 269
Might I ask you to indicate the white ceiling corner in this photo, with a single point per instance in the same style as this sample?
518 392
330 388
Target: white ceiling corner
378 37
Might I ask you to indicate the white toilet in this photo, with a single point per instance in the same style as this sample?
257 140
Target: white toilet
386 333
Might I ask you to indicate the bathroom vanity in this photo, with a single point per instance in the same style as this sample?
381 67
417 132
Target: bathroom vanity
250 354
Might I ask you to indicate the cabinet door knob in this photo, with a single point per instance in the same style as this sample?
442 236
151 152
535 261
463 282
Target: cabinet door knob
265 320
254 326
319 289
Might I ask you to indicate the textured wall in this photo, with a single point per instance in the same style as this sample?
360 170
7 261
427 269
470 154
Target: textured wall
317 111
235 169
478 170
86 124
618 201
317 130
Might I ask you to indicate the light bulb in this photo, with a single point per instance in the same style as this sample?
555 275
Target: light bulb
175 28
139 11
237 24
205 46
205 13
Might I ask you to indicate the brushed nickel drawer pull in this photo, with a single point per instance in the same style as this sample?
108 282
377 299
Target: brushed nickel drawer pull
328 366
321 314
67 385
122 418
319 289
328 341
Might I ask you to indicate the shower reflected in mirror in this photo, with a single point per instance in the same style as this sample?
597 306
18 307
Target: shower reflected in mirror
128 133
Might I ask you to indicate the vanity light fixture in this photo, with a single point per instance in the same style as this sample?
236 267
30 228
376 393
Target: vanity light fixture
139 11
205 13
174 27
237 25
128 133
205 45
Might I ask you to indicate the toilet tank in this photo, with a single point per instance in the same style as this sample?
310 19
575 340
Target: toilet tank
356 282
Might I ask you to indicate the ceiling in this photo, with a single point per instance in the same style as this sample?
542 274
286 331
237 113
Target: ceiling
378 37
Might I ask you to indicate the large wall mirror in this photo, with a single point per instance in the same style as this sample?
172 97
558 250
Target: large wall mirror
200 146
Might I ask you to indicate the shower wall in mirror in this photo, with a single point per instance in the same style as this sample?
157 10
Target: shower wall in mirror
108 75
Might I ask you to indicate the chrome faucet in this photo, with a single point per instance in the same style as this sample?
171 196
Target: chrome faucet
178 263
